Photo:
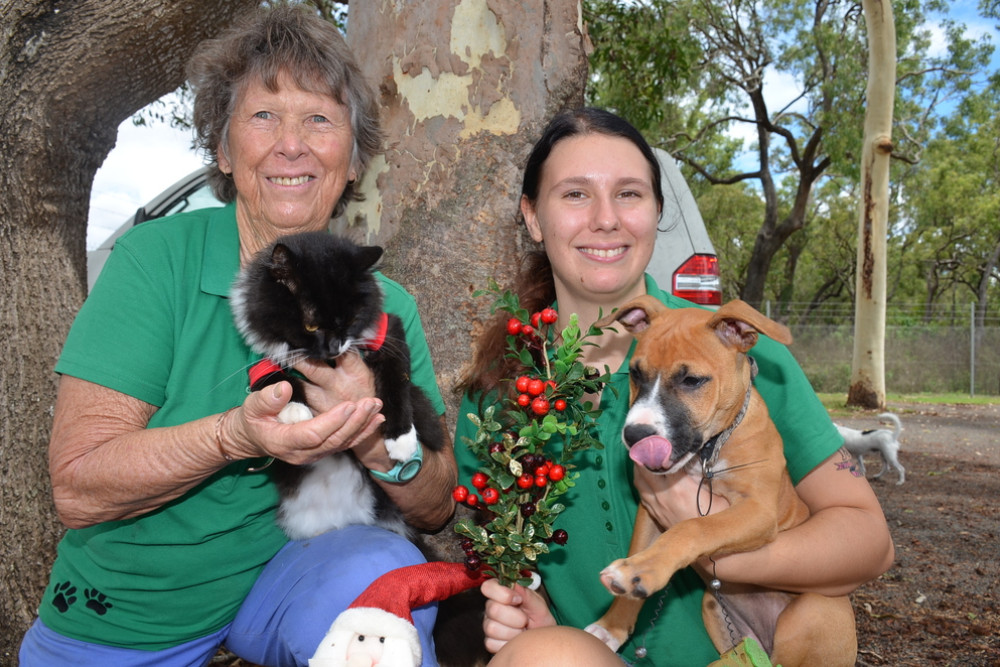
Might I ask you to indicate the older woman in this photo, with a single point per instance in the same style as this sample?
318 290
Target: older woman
173 548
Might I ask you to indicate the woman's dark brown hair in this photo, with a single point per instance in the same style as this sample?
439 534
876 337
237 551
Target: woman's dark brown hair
534 284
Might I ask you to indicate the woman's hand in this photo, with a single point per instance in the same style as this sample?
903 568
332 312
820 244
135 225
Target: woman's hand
349 379
511 611
253 430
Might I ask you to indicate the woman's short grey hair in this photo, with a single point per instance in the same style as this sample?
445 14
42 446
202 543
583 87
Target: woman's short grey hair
282 39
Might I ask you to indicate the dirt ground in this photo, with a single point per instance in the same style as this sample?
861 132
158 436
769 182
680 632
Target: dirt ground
940 602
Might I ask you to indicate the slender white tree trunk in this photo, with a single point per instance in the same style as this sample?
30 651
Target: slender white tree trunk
868 371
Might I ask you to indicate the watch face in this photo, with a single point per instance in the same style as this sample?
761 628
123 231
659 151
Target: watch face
410 469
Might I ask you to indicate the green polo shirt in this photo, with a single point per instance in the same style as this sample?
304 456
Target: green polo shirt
157 326
600 509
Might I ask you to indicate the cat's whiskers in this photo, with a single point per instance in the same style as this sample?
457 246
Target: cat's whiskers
389 346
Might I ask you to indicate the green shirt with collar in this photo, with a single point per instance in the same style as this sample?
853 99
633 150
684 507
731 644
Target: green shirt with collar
157 326
600 509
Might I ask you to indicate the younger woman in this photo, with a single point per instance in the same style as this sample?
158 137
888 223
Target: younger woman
591 197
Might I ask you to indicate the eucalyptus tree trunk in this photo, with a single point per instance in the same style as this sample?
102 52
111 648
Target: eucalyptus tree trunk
70 73
868 369
466 87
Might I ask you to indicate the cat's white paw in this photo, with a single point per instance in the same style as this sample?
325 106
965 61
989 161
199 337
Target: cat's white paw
403 447
293 413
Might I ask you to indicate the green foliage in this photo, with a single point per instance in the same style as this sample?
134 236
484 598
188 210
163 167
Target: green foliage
710 115
644 49
953 202
516 442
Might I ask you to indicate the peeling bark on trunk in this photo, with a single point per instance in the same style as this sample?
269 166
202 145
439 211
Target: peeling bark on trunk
68 77
466 88
868 370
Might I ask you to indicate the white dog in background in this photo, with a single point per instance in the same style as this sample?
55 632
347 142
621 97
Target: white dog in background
880 441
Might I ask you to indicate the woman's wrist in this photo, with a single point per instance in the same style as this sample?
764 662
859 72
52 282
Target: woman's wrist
222 438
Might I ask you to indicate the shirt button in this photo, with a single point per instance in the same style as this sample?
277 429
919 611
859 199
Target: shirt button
599 460
609 527
601 483
605 505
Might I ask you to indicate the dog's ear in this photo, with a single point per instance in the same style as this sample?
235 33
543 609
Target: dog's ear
635 315
737 323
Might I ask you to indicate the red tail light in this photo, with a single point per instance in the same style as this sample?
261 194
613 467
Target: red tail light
697 280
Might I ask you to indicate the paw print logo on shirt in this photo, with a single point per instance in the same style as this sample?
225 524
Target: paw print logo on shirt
65 595
97 601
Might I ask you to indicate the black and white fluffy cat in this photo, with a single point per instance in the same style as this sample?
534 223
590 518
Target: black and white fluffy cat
314 295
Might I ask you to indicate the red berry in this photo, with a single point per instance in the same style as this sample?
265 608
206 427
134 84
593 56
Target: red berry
557 472
549 316
480 480
513 326
491 496
551 384
560 536
535 318
472 500
460 493
540 406
473 562
559 404
524 400
528 509
536 387
528 331
543 469
522 383
525 481
496 448
541 480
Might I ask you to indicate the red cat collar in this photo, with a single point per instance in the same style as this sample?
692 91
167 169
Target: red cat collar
261 370
380 333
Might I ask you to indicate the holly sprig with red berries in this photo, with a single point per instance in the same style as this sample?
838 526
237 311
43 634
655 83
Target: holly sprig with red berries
525 443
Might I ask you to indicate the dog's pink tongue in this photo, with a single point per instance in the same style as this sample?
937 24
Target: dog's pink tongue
652 452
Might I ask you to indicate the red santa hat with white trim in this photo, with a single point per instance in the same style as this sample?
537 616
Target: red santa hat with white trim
377 629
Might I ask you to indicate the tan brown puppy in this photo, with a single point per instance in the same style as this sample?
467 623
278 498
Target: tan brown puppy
694 409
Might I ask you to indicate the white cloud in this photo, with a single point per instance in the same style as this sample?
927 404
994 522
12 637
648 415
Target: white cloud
145 161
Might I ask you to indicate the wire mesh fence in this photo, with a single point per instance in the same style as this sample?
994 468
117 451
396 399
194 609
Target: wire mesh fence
933 351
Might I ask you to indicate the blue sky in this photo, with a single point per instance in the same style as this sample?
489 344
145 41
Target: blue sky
147 160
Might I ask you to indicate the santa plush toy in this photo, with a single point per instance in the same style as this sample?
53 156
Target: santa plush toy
377 629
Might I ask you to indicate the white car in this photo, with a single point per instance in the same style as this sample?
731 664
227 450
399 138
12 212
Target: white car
188 194
684 260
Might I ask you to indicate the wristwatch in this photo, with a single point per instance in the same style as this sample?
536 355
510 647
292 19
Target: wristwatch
403 471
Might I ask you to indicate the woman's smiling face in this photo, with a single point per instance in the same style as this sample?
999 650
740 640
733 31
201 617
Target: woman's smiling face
596 213
289 152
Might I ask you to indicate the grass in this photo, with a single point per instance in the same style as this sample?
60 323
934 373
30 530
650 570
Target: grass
836 404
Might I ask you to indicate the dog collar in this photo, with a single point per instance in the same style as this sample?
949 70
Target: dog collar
381 330
710 450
